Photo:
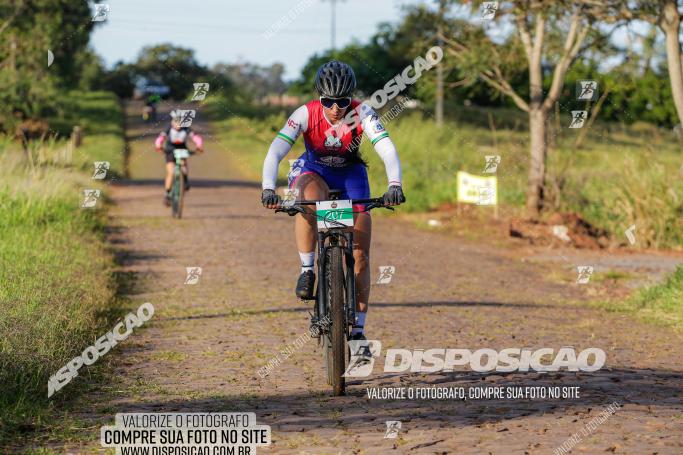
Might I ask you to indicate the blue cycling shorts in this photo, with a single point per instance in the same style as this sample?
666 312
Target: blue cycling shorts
351 180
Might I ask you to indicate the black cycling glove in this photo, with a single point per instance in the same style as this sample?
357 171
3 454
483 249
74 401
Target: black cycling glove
269 197
394 195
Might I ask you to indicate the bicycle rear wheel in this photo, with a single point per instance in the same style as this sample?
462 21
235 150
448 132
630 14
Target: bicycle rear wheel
334 342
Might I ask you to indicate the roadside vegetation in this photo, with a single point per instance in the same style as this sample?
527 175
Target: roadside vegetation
622 174
57 293
660 304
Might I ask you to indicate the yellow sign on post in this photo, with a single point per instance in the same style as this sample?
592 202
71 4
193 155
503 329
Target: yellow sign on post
473 189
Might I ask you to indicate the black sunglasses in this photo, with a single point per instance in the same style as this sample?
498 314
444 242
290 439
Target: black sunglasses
342 103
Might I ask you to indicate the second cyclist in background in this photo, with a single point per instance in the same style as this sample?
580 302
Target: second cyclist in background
176 137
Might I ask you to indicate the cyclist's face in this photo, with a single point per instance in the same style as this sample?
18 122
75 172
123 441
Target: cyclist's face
334 113
175 124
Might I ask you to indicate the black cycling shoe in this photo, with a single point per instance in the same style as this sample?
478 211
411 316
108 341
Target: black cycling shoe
305 285
167 199
187 182
358 336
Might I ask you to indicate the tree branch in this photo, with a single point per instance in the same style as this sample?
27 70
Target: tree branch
524 35
572 45
495 79
504 87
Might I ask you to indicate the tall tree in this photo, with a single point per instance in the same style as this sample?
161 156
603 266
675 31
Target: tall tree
666 14
550 36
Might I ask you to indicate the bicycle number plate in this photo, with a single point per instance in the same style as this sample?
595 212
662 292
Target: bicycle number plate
333 213
181 154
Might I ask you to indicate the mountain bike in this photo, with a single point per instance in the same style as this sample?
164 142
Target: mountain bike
178 188
336 287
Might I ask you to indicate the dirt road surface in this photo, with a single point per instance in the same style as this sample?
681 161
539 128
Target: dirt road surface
204 346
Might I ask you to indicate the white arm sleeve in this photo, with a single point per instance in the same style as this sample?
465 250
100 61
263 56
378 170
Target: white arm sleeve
282 144
387 151
385 148
278 150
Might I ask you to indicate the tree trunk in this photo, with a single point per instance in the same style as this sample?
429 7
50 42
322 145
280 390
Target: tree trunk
438 108
536 183
670 22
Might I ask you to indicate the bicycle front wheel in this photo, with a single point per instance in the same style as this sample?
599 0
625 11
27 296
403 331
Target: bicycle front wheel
335 343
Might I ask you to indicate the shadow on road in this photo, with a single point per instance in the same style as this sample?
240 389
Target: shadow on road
306 309
296 412
195 183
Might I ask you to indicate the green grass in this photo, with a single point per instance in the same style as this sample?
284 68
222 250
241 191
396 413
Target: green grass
57 292
660 304
623 175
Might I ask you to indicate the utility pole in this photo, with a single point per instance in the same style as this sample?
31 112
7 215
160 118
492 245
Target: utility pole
438 108
333 27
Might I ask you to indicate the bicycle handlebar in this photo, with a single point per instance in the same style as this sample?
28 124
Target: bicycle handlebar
297 207
377 200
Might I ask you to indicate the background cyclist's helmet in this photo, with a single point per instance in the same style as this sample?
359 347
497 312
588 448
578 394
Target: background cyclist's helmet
335 80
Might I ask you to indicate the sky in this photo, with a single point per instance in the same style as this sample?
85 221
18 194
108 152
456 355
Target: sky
258 31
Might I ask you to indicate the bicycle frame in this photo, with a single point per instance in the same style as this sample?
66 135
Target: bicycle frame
334 234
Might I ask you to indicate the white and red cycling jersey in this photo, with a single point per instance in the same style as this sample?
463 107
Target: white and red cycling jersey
174 139
333 146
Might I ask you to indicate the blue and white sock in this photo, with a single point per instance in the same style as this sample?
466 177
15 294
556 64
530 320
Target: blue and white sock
307 260
359 326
